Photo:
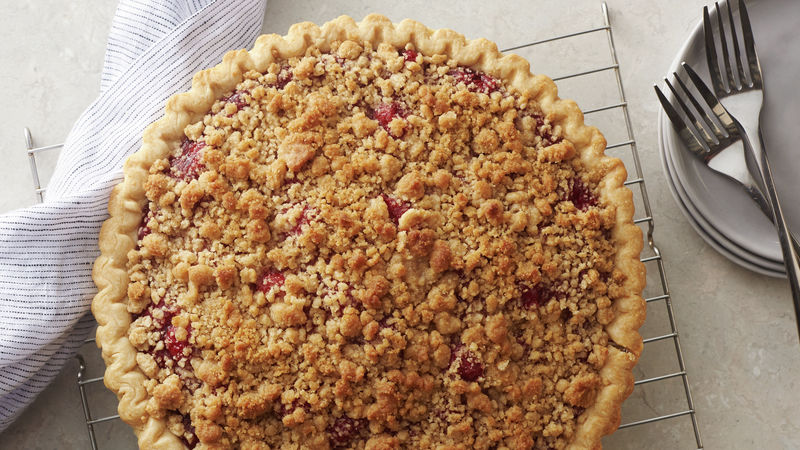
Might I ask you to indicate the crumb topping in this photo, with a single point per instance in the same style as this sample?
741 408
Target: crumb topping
372 248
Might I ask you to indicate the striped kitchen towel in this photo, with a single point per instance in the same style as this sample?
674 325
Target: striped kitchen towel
47 250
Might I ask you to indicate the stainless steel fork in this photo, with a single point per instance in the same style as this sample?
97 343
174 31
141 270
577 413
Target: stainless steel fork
718 143
719 140
741 92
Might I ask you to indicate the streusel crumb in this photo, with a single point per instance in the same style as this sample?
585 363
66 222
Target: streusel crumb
373 248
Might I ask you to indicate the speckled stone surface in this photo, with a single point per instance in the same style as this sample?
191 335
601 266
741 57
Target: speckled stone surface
737 328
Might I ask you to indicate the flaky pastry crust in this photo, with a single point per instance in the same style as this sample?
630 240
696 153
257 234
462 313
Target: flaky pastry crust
118 236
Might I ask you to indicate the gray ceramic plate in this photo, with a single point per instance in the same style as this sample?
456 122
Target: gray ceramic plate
717 241
728 211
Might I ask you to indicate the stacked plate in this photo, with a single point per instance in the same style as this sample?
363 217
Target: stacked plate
716 207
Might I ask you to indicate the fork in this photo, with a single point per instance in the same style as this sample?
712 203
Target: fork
718 143
721 143
741 92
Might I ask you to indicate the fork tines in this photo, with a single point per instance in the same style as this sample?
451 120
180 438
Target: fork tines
704 134
735 78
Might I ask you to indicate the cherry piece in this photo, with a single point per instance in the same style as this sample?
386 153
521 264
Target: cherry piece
409 55
189 163
161 357
307 215
581 196
192 440
547 136
384 113
272 278
396 207
285 410
174 346
534 296
304 219
237 99
144 230
284 77
469 367
475 81
166 319
553 140
344 430
163 325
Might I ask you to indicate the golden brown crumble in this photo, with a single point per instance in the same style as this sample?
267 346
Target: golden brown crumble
372 248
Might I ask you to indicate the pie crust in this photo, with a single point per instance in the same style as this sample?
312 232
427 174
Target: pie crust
118 236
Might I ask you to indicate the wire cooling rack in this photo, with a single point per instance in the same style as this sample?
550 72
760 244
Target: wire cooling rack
660 411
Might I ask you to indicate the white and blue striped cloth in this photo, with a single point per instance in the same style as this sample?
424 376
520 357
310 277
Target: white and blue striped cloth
47 250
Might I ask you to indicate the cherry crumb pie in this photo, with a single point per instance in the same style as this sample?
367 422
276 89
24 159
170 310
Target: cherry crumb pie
371 236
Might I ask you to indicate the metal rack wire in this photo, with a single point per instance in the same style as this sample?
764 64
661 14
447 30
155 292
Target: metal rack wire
657 293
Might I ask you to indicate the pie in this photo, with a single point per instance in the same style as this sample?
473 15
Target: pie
370 235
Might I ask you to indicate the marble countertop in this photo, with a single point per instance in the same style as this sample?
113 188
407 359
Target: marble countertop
736 327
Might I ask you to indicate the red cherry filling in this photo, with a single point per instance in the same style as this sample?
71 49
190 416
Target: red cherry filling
305 218
553 140
468 367
475 81
396 207
272 278
581 196
144 230
284 77
162 323
409 54
384 113
189 163
344 430
175 346
285 410
307 215
534 296
192 440
237 98
547 137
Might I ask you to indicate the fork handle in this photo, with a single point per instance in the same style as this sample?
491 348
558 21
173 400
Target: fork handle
788 246
756 193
